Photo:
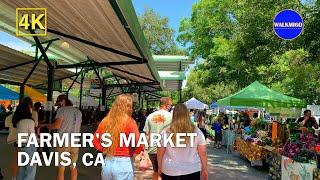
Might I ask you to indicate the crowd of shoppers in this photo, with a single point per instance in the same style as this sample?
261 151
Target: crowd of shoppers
31 118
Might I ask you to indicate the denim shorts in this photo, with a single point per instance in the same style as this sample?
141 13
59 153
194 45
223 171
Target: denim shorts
27 172
117 168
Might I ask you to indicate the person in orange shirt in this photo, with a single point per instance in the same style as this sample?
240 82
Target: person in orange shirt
118 159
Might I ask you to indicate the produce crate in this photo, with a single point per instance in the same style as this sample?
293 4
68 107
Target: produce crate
250 151
274 161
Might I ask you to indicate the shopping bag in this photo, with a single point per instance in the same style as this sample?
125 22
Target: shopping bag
144 162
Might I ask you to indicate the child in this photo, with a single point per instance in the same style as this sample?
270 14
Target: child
217 127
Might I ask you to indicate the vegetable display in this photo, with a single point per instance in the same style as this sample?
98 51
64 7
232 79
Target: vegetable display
301 147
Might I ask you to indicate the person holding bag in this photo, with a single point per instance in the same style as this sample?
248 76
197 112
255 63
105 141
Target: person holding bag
118 159
187 163
143 161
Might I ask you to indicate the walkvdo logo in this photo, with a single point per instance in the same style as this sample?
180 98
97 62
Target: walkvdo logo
288 24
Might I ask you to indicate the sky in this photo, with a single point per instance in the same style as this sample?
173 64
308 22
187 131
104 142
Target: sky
13 42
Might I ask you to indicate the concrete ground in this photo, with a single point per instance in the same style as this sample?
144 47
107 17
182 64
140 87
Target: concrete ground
221 166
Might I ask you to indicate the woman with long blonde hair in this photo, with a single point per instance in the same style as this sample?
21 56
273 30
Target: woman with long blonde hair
189 162
118 159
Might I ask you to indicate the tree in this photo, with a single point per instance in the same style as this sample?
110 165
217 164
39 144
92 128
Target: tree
238 45
159 35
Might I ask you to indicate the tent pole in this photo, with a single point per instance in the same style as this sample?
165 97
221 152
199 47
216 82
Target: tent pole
81 89
147 104
50 83
139 99
142 97
21 92
103 96
180 84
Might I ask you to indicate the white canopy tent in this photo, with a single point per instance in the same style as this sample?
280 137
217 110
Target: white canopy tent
193 103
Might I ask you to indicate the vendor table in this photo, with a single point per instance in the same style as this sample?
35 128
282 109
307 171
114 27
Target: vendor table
254 153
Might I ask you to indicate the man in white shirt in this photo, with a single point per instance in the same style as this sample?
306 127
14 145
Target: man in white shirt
155 123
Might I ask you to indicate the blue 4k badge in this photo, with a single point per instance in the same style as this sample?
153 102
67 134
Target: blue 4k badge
288 24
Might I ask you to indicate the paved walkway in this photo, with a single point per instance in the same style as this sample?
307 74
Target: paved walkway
221 166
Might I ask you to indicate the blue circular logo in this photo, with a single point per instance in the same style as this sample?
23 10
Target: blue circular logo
288 24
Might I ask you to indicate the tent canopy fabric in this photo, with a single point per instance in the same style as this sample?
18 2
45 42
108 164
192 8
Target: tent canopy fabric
35 95
10 57
193 103
106 32
258 95
7 94
213 105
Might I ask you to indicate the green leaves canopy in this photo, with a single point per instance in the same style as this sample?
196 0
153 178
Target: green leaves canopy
238 45
159 35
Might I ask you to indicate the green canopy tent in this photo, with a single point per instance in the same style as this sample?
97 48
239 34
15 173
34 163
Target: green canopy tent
258 95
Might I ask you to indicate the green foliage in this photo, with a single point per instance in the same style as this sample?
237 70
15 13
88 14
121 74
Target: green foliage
198 87
159 35
238 45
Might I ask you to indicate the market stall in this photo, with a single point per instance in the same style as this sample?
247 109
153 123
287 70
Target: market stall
259 95
254 140
194 103
6 97
253 152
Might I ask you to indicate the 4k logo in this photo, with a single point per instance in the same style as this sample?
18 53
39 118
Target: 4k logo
34 19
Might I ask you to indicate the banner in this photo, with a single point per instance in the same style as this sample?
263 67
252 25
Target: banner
291 170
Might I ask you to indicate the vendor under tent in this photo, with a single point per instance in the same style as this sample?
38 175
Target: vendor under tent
258 95
7 94
193 103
